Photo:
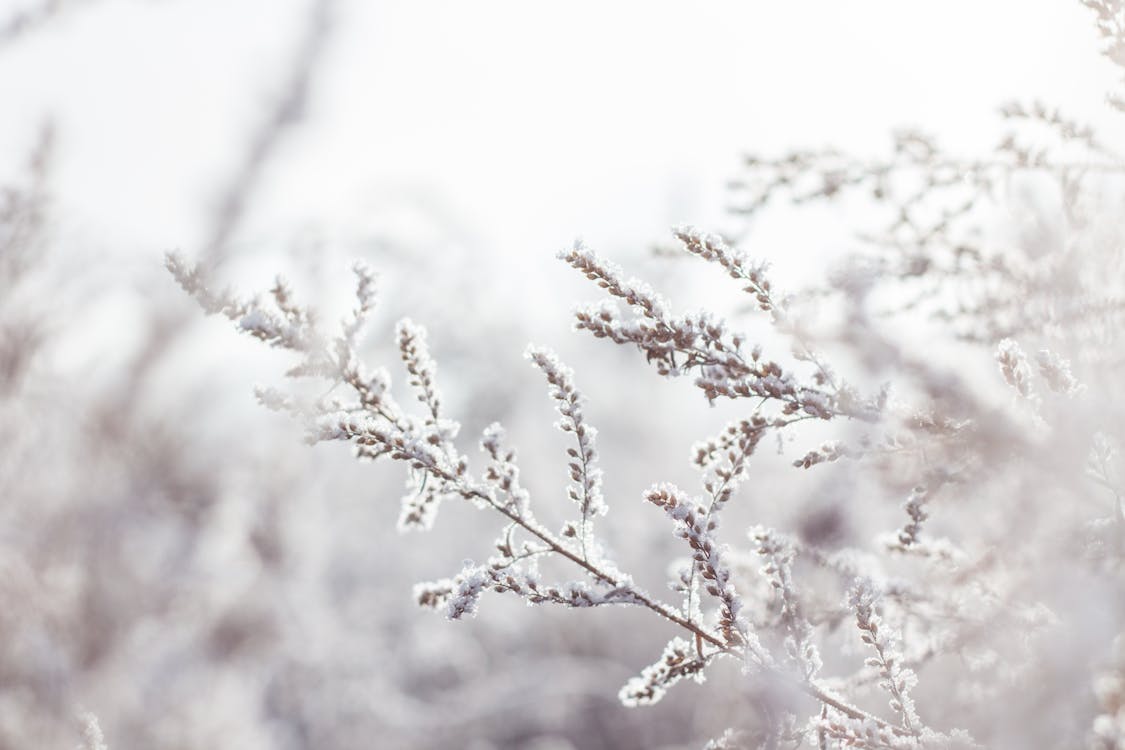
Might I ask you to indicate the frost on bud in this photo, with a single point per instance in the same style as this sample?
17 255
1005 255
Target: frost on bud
465 592
274 399
779 555
915 507
608 276
419 506
1014 368
829 451
895 678
92 737
711 247
415 356
433 594
586 478
366 279
1056 373
365 293
678 661
502 471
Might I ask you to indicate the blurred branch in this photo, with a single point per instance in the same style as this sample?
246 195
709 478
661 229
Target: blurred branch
285 115
287 112
33 18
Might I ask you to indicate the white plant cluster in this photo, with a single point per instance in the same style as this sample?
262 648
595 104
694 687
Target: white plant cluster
777 640
966 614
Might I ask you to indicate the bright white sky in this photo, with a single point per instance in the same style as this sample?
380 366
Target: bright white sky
520 125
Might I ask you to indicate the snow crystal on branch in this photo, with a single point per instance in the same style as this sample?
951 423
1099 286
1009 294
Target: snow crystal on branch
696 526
677 662
420 365
1015 368
465 591
1056 372
608 276
712 247
896 679
779 554
586 477
92 737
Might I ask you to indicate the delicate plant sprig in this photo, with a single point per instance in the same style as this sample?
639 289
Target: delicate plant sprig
779 555
679 344
931 244
379 427
896 679
679 661
696 526
416 357
1056 372
586 477
713 248
92 736
1110 22
915 507
1015 369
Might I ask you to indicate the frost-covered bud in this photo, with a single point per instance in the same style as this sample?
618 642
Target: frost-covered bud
1056 372
677 662
465 592
434 594
1014 367
92 737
